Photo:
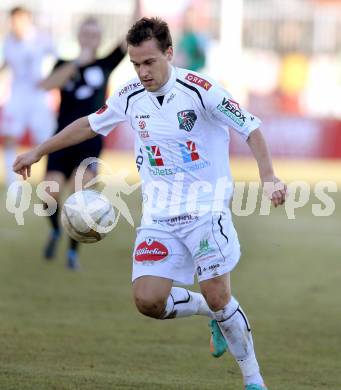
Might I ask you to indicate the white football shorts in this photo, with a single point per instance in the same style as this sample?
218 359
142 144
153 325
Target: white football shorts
177 248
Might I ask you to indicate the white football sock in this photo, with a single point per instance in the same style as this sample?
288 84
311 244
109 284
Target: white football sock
9 156
185 303
236 330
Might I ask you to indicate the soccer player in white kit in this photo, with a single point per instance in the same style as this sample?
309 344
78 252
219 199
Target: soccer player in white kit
27 107
180 119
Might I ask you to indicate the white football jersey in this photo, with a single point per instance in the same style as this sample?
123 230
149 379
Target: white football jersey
181 146
25 58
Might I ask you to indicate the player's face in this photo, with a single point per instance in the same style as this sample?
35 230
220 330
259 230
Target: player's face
21 22
89 35
151 64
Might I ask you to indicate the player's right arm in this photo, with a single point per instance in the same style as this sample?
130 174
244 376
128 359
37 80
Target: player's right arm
75 133
59 76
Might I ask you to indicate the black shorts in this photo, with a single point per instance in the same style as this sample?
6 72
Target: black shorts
67 160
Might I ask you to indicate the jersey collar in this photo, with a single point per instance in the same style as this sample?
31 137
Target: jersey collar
168 86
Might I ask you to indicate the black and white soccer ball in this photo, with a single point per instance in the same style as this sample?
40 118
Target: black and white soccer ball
87 216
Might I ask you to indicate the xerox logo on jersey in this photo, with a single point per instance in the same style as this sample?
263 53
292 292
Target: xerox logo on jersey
231 109
154 156
102 109
189 152
150 251
198 81
187 119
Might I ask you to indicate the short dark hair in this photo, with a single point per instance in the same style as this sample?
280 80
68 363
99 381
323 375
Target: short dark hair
19 10
149 28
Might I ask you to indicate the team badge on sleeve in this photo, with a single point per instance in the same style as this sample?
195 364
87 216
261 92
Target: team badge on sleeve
187 119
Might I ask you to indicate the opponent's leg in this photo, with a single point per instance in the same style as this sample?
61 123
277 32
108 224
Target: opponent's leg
157 298
54 235
235 328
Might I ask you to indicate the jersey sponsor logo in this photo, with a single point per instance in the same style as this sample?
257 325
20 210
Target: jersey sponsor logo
144 134
187 119
139 160
102 109
154 156
142 124
232 109
143 116
189 152
128 88
151 251
176 169
192 78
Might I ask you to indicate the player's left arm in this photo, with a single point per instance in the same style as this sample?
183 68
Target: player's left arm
65 71
274 188
224 109
59 76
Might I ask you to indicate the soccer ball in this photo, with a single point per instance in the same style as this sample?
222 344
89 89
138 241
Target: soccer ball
87 216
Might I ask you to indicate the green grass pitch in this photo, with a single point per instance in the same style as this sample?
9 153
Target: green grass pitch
80 330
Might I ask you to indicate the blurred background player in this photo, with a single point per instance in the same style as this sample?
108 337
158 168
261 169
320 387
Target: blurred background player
83 86
25 49
192 46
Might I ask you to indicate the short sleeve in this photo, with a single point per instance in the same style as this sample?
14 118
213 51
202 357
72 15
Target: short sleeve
227 111
104 120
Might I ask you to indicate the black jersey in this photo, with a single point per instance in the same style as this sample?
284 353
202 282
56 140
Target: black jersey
85 92
82 95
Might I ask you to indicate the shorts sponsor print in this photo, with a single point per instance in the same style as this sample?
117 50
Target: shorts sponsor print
177 248
150 250
180 220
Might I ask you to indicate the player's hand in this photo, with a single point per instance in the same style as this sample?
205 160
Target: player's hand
275 190
22 164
